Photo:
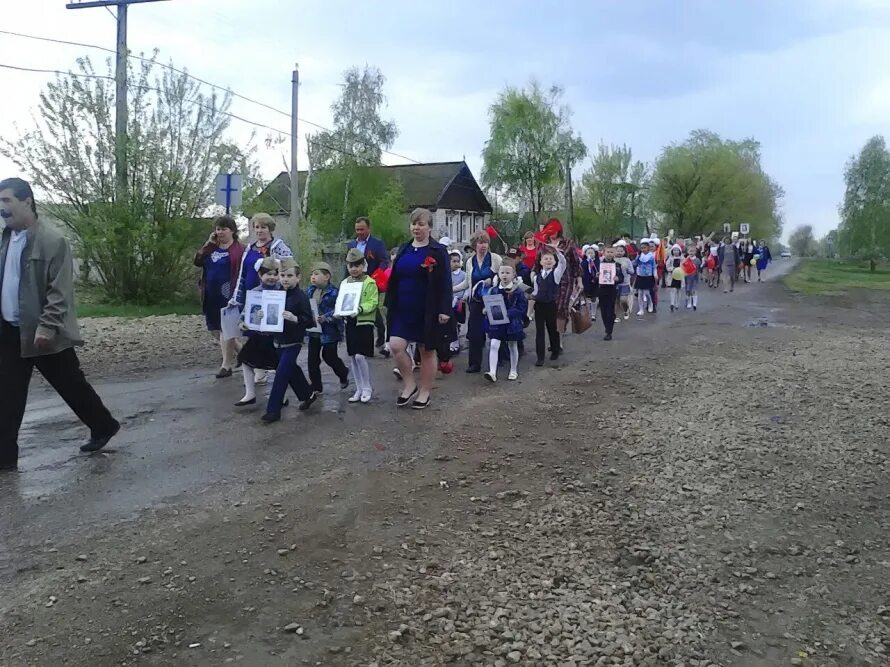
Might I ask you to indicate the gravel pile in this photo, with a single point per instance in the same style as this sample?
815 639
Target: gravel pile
115 346
741 521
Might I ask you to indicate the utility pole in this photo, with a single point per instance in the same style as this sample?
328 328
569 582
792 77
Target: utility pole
294 186
570 204
120 80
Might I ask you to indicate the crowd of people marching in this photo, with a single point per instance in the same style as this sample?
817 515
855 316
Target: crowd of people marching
415 304
418 302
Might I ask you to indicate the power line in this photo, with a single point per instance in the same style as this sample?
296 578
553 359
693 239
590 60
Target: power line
198 79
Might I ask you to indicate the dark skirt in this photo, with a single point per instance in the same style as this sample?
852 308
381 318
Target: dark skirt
359 339
645 283
259 352
592 291
676 284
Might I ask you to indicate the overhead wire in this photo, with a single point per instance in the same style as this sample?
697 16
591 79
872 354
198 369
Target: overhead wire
198 79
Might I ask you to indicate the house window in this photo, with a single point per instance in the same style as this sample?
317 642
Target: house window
466 225
452 225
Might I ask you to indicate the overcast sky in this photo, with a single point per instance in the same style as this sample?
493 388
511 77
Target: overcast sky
809 79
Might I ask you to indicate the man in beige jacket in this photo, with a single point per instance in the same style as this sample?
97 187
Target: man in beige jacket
39 326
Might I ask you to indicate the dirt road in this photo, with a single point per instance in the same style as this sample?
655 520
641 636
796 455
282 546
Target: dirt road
703 490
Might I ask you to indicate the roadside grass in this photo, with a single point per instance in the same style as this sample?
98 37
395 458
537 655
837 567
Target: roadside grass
90 304
134 311
829 277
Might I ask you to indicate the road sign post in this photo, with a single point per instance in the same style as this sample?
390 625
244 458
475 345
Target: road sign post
228 191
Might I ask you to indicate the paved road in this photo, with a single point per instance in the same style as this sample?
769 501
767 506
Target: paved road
183 441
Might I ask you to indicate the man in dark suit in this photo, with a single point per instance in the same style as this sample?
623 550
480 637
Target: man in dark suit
377 257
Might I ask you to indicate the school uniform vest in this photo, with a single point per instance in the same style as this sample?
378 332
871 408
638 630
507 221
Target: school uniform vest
548 290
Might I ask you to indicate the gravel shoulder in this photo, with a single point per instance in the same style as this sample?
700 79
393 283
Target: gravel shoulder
707 493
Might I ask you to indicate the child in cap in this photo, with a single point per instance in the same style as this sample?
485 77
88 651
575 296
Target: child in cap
297 317
360 327
324 344
258 352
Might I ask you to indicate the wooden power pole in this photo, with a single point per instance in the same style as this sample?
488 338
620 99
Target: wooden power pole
120 78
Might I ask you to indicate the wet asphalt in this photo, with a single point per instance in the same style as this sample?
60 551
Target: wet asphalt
181 436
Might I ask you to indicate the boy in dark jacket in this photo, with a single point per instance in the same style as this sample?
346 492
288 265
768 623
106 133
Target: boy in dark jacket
324 345
297 317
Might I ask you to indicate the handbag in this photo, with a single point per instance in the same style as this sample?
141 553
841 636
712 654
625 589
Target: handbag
581 319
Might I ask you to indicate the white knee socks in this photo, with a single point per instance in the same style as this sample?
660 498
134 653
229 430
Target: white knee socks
249 383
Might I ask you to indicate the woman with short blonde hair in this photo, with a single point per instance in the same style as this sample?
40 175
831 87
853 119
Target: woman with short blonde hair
482 267
418 304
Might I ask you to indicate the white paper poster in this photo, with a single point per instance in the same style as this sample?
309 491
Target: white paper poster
349 299
263 310
607 273
495 309
230 321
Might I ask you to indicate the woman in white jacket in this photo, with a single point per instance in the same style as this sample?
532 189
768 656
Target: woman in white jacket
482 267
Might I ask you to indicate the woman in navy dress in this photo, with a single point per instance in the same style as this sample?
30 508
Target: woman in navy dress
418 303
220 261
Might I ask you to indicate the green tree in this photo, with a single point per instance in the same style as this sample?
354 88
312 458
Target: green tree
359 136
531 142
802 242
388 216
865 213
706 181
614 190
141 247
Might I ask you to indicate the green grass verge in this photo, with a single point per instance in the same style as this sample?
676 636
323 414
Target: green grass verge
826 277
133 311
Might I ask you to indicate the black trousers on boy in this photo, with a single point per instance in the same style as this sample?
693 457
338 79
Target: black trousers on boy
608 297
545 322
62 371
328 352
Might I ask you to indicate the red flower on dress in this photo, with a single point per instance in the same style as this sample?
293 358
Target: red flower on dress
429 263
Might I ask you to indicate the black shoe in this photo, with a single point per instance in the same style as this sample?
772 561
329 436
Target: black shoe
224 373
344 382
420 405
607 337
94 444
285 402
554 356
402 401
384 353
474 369
305 405
9 467
270 418
539 362
250 401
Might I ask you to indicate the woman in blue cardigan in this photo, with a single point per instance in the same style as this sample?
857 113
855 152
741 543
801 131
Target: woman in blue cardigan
418 303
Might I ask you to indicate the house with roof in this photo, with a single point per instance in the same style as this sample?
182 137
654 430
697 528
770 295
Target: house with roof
448 189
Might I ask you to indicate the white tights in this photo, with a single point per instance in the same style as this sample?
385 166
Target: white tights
249 382
494 353
361 373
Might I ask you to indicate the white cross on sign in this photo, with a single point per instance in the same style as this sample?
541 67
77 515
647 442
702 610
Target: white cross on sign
228 190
